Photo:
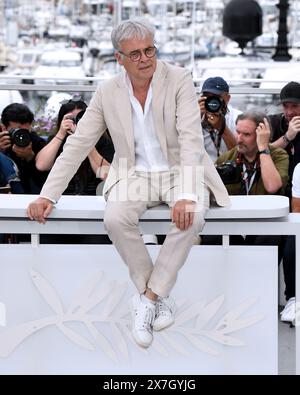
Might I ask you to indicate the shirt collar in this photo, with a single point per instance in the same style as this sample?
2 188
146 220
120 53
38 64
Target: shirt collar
128 85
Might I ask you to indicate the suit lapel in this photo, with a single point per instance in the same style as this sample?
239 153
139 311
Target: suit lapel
123 107
159 87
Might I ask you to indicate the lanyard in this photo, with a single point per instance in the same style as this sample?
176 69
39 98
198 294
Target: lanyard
216 139
248 183
216 135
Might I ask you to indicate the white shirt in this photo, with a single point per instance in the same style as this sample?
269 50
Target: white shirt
210 148
296 182
148 153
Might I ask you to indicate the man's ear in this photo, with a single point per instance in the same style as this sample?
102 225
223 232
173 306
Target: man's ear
119 58
227 97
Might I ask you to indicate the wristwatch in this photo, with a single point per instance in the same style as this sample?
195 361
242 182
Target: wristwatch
265 151
286 139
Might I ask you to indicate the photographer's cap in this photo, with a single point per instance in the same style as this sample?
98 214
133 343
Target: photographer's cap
215 85
290 93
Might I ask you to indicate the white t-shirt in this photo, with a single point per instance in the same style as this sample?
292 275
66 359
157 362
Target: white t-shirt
209 145
296 182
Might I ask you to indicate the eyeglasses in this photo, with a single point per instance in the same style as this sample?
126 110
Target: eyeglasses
135 56
74 99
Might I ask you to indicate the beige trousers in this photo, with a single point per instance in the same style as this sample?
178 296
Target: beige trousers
127 201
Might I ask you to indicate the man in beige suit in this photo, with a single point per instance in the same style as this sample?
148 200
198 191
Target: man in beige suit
151 112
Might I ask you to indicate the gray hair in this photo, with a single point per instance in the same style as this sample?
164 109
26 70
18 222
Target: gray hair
131 28
255 116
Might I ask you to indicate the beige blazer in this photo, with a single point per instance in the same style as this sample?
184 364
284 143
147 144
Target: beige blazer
177 124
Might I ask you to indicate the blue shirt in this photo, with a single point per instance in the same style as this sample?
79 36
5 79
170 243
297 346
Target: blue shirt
9 174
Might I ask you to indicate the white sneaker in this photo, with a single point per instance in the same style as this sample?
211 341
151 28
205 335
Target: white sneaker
142 321
288 314
164 315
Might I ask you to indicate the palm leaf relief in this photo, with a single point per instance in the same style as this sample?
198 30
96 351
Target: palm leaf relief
115 297
190 313
200 345
223 339
82 296
209 311
12 337
97 297
47 292
178 347
159 347
75 337
231 322
103 343
114 312
120 341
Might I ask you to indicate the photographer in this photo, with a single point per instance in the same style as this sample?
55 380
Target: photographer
21 144
218 118
94 168
286 125
9 176
253 167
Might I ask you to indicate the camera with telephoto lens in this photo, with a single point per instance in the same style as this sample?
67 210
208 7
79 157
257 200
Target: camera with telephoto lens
214 104
230 172
20 137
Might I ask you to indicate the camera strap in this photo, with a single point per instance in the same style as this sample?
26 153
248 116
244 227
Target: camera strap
216 135
250 172
216 139
248 182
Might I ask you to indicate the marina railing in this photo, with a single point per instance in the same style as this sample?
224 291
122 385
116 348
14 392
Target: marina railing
88 84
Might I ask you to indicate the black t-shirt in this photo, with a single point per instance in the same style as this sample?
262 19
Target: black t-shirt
84 181
3 181
32 179
279 126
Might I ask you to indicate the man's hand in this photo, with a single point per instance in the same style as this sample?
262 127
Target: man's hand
67 125
183 213
24 152
294 128
39 210
201 102
263 133
214 119
5 142
104 169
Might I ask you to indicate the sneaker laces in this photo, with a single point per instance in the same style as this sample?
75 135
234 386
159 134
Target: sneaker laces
145 318
163 307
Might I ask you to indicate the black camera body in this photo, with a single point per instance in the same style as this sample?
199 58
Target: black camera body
214 104
77 118
230 172
20 137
